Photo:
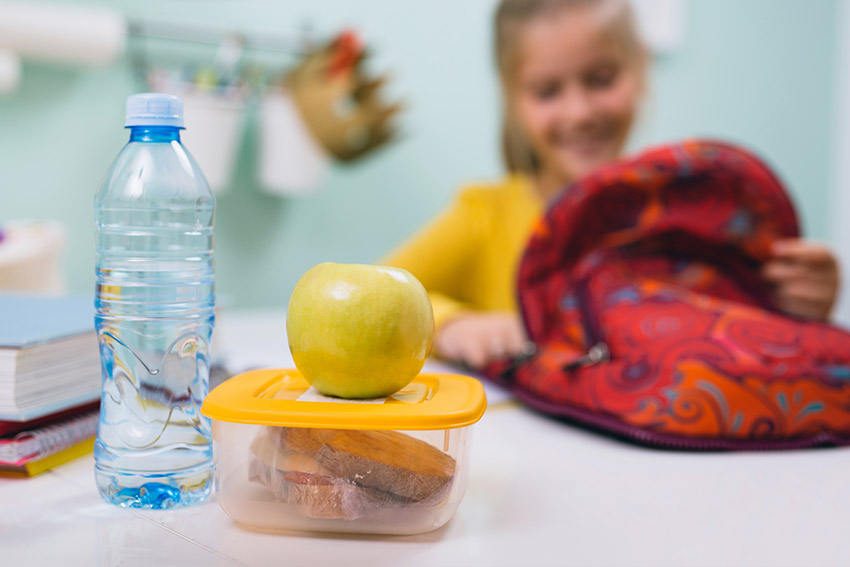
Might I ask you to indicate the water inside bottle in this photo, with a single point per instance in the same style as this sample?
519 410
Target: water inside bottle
155 318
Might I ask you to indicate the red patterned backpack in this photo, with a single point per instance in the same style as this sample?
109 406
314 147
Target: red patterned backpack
641 289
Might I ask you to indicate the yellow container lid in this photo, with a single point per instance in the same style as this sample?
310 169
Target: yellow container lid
284 398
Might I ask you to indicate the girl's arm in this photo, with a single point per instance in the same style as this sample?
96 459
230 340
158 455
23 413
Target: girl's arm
441 256
442 253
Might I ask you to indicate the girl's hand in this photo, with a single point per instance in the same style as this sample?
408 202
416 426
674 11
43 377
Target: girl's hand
477 338
805 276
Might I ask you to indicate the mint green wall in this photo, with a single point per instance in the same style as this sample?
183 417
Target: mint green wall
756 71
760 72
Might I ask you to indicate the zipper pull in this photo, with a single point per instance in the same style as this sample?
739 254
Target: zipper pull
596 354
528 351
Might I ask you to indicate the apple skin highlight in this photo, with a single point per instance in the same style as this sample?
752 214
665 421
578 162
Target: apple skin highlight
358 330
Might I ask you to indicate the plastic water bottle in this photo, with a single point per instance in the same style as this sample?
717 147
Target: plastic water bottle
154 314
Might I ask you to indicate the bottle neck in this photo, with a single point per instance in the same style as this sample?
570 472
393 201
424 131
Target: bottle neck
165 134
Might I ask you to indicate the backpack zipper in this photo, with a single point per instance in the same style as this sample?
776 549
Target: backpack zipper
598 351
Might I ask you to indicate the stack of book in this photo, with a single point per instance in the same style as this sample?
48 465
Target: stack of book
49 381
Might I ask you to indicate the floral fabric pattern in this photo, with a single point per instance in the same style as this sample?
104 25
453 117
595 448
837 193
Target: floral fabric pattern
658 259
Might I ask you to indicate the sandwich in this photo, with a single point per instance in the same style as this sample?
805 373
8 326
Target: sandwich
345 474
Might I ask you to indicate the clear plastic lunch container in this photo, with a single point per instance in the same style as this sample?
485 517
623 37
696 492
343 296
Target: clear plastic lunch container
288 458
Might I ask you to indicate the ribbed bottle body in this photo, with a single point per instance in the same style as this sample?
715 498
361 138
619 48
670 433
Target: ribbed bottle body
154 221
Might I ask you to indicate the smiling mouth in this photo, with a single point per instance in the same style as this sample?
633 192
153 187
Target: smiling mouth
586 144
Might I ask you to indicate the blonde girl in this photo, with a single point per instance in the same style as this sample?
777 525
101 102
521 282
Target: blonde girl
573 75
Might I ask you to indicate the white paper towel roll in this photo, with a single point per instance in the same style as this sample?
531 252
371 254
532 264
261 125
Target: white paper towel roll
10 71
60 33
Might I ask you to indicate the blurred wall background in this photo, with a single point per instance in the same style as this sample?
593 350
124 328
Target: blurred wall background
759 72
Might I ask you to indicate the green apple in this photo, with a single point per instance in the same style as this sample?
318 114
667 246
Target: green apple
359 331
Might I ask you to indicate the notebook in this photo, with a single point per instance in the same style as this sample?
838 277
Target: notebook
31 452
49 357
7 427
33 468
27 320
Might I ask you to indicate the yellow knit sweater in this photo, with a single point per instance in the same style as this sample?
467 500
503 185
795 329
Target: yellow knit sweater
467 256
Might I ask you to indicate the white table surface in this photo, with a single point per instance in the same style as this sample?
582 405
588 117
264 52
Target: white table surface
540 493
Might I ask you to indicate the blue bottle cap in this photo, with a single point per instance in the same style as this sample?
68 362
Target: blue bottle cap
154 109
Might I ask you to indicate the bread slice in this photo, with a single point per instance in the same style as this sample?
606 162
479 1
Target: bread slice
301 481
388 461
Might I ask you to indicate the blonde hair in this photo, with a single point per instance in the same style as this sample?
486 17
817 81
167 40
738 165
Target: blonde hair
511 15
